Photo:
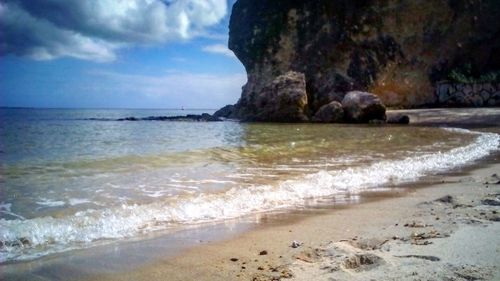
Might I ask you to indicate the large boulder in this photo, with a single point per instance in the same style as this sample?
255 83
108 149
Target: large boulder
283 100
329 113
361 107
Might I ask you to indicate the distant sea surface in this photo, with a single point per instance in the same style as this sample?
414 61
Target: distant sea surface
69 180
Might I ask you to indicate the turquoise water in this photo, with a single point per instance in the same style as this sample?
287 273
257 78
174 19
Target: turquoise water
68 182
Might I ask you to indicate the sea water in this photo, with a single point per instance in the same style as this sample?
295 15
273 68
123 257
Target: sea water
74 178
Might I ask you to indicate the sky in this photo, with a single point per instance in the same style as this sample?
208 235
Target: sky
117 54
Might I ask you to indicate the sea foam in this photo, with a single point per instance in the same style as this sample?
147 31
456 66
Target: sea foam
86 228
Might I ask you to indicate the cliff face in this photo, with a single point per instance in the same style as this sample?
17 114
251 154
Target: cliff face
397 49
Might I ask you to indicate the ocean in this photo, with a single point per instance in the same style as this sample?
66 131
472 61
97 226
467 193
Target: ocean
74 178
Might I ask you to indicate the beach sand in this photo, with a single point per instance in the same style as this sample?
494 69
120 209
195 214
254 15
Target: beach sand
445 230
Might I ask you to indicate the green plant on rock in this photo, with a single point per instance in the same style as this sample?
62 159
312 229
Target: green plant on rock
466 75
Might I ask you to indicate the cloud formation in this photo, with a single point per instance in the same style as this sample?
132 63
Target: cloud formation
175 88
95 29
219 49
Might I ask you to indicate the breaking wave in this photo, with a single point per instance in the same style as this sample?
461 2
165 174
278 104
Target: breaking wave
23 239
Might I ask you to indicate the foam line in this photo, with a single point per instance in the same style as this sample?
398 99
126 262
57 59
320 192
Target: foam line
48 235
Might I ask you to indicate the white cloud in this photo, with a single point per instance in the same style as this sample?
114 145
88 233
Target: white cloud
220 49
94 30
176 88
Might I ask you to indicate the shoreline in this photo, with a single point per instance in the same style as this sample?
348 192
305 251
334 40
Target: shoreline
467 118
362 241
315 228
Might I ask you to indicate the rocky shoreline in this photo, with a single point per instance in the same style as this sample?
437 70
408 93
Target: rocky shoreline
401 51
286 101
204 117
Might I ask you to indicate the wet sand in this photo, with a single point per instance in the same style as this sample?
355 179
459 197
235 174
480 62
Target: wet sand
453 117
443 231
422 232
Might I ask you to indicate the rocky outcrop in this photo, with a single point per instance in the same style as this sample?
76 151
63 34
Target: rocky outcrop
204 117
396 49
329 113
227 111
362 107
284 99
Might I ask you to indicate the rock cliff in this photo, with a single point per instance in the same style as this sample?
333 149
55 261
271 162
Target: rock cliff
397 49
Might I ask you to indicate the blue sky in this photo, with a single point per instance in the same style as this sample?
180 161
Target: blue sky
117 54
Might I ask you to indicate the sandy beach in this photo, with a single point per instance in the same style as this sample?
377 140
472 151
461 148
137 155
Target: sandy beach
445 229
249 140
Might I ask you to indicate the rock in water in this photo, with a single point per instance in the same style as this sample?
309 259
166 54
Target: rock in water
329 113
204 117
283 100
225 112
398 119
361 107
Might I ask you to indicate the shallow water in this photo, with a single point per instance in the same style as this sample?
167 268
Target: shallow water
68 182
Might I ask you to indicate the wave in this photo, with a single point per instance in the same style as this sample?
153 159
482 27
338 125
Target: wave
26 239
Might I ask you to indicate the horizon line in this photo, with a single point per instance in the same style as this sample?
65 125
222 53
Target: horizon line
144 108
